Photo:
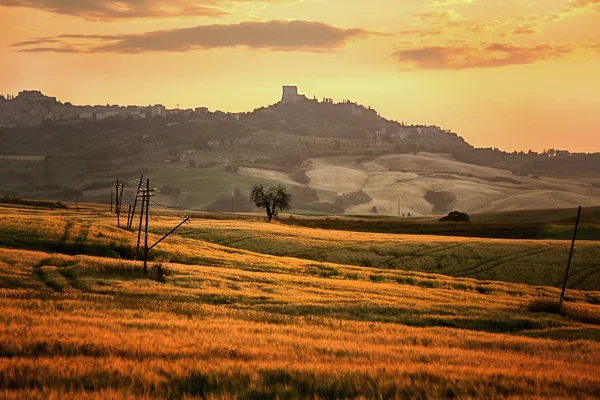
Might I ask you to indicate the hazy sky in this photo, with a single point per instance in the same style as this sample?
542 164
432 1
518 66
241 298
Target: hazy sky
513 74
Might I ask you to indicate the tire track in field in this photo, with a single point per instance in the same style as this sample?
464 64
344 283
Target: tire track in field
580 280
305 254
434 250
508 257
413 255
473 272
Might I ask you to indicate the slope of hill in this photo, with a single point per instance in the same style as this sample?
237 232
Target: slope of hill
80 319
400 183
336 148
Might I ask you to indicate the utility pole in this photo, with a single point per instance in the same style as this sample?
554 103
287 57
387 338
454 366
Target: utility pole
120 203
148 194
399 205
118 189
128 215
135 201
137 251
562 294
232 195
146 236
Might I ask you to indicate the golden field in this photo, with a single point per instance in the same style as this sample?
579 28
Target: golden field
210 321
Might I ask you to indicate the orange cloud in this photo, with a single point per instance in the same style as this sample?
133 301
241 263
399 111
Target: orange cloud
111 10
494 55
576 5
273 35
526 29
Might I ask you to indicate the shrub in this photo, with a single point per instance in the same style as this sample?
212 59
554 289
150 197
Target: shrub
456 216
301 177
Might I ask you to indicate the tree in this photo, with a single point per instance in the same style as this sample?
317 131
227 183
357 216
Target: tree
456 216
273 200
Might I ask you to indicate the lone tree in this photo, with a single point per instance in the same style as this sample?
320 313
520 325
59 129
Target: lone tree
273 200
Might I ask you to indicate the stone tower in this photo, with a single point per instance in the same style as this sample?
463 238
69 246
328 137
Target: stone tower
290 95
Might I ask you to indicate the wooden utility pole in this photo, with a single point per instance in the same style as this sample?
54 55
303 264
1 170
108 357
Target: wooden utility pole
146 236
118 189
135 201
128 215
137 251
120 203
562 294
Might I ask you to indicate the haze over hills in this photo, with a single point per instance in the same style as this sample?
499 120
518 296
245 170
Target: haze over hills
338 158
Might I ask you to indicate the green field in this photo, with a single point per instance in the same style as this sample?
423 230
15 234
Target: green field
205 185
526 224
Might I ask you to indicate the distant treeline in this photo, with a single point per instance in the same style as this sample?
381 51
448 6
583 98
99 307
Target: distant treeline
32 203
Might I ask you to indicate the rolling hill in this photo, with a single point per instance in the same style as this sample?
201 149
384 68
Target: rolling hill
342 150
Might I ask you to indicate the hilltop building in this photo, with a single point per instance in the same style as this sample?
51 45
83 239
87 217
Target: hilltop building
158 110
35 96
290 95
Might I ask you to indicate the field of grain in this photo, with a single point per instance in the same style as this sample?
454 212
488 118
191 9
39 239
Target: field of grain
209 321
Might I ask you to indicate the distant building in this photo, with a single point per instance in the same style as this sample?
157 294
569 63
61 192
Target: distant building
290 95
34 95
158 110
201 110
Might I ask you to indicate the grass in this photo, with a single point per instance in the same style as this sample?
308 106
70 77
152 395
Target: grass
418 226
207 184
534 262
230 323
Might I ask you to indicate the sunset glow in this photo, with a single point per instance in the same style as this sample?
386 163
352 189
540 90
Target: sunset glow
515 75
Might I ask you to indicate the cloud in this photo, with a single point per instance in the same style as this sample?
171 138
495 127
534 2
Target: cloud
440 19
463 56
422 32
273 35
576 5
444 3
526 29
122 9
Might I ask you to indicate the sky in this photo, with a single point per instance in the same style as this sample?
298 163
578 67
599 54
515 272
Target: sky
511 74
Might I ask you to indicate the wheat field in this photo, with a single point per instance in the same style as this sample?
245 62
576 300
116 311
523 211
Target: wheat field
79 320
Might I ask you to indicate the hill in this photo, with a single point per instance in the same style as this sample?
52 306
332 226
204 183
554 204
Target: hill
339 149
80 318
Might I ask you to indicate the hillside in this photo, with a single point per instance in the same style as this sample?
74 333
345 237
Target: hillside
343 150
81 320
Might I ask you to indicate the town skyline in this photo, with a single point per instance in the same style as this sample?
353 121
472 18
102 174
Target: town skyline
67 110
510 75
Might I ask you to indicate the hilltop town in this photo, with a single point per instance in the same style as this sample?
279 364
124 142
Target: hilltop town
357 160
31 107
